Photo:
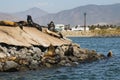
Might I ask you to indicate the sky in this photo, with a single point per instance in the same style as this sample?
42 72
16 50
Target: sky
51 6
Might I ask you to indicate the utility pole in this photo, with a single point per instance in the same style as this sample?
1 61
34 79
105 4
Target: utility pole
85 22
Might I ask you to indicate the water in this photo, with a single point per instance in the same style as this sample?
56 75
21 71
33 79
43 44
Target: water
108 69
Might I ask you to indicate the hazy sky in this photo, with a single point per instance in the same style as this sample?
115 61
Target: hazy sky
50 6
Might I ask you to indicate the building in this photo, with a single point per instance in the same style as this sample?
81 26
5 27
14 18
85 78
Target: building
79 28
59 27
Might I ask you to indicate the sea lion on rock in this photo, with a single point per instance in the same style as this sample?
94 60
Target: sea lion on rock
22 23
51 26
50 57
7 59
30 21
52 33
8 23
50 52
13 24
32 24
69 51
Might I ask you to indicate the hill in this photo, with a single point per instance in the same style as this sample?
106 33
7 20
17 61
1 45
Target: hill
6 16
95 14
34 12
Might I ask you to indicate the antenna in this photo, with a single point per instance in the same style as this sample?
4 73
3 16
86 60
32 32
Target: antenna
85 21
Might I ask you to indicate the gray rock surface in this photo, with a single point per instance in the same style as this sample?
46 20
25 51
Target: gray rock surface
15 58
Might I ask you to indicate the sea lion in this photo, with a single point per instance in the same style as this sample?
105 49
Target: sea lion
7 59
32 24
51 26
69 51
50 52
109 54
22 23
8 23
30 21
52 33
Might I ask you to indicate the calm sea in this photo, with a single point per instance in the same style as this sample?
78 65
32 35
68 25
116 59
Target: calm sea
108 69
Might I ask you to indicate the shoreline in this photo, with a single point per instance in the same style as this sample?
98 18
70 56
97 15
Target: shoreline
92 33
15 58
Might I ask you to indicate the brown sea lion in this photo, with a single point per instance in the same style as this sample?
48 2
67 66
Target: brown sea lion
109 54
22 23
52 33
50 52
8 23
7 59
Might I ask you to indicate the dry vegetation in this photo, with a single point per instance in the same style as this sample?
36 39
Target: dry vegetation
93 33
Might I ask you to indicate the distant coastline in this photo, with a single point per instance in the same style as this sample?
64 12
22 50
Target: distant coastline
93 33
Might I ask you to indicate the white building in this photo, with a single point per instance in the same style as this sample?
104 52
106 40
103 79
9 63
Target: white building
59 27
79 28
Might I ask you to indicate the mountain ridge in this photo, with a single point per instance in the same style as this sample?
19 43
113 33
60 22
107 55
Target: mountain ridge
95 14
35 12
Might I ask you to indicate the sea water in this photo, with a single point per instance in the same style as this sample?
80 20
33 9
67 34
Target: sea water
108 69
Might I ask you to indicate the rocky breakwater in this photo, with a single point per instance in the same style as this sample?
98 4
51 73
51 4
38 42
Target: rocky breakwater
31 49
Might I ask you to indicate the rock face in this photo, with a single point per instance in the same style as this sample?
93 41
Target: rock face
28 36
31 58
31 49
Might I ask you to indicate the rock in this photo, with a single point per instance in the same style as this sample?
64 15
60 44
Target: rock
30 51
15 58
92 52
1 66
101 56
48 65
10 66
3 55
33 65
76 63
73 59
37 57
22 56
24 61
36 50
62 62
1 49
92 57
68 64
64 48
52 60
28 54
59 51
11 52
76 52
83 51
29 58
76 45
83 57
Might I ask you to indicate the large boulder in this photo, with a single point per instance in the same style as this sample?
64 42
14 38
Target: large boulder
1 66
10 66
2 55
